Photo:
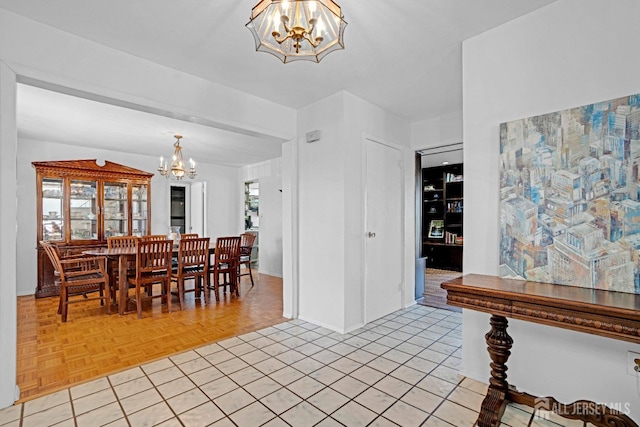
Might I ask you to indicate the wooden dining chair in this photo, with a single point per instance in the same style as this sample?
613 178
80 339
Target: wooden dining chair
153 237
246 248
189 236
120 242
193 263
225 262
153 266
79 276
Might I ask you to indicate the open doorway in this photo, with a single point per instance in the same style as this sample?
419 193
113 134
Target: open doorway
188 207
441 210
252 216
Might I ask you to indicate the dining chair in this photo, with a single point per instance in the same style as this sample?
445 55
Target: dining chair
193 263
246 248
79 276
153 266
152 237
189 236
120 242
226 258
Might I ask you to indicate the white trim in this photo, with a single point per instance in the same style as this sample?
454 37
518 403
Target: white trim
290 230
332 327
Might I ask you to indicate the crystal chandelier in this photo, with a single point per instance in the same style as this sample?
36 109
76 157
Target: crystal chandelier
297 29
178 167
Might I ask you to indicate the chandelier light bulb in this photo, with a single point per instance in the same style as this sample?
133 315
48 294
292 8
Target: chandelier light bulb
320 28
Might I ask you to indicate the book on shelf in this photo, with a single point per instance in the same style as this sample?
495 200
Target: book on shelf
454 206
451 177
452 238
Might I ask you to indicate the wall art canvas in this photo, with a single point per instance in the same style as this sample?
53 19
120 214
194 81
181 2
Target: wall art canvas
570 196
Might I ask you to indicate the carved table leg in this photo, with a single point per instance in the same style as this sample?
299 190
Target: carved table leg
499 345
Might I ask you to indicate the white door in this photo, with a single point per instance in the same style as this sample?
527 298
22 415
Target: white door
383 230
198 208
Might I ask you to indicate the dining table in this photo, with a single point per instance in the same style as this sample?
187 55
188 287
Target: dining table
123 254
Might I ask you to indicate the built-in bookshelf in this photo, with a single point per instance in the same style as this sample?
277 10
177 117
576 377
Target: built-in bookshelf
442 213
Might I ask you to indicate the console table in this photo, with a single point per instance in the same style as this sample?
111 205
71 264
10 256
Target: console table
609 314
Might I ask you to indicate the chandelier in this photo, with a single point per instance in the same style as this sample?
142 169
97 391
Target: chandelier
178 167
297 29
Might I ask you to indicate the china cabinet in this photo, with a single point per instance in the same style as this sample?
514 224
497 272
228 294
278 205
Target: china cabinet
80 204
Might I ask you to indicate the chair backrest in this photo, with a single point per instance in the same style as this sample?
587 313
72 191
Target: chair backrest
193 252
246 243
227 249
152 237
153 256
52 253
189 236
122 241
247 240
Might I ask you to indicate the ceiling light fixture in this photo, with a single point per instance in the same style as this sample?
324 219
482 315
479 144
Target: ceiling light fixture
178 168
298 29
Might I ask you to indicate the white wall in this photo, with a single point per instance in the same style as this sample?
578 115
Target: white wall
321 214
269 176
220 180
330 194
442 130
570 53
8 239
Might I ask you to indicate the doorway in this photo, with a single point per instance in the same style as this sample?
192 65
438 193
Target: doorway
439 212
252 216
188 207
179 208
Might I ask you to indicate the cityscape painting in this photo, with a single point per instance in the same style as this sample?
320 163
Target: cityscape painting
570 196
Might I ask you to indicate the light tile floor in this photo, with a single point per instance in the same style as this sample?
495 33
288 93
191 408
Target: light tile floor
400 370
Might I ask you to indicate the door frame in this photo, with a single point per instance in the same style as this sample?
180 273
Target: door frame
187 208
363 150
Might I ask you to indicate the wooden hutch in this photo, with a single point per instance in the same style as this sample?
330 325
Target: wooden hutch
80 204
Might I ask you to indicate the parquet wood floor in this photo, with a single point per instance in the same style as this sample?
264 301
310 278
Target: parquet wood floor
434 295
53 355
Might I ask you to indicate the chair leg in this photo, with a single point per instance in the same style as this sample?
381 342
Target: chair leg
216 285
250 274
180 294
138 301
235 281
107 297
64 301
205 287
166 289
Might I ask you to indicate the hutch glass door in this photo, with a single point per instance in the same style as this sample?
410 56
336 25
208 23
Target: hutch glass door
139 209
83 219
115 209
52 209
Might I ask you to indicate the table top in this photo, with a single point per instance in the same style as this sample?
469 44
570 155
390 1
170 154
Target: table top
548 293
600 312
129 250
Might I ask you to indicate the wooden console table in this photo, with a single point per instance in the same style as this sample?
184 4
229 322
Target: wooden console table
609 314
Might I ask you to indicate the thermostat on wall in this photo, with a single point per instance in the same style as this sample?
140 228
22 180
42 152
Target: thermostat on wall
314 136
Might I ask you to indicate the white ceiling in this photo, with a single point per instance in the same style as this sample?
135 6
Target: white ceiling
404 56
